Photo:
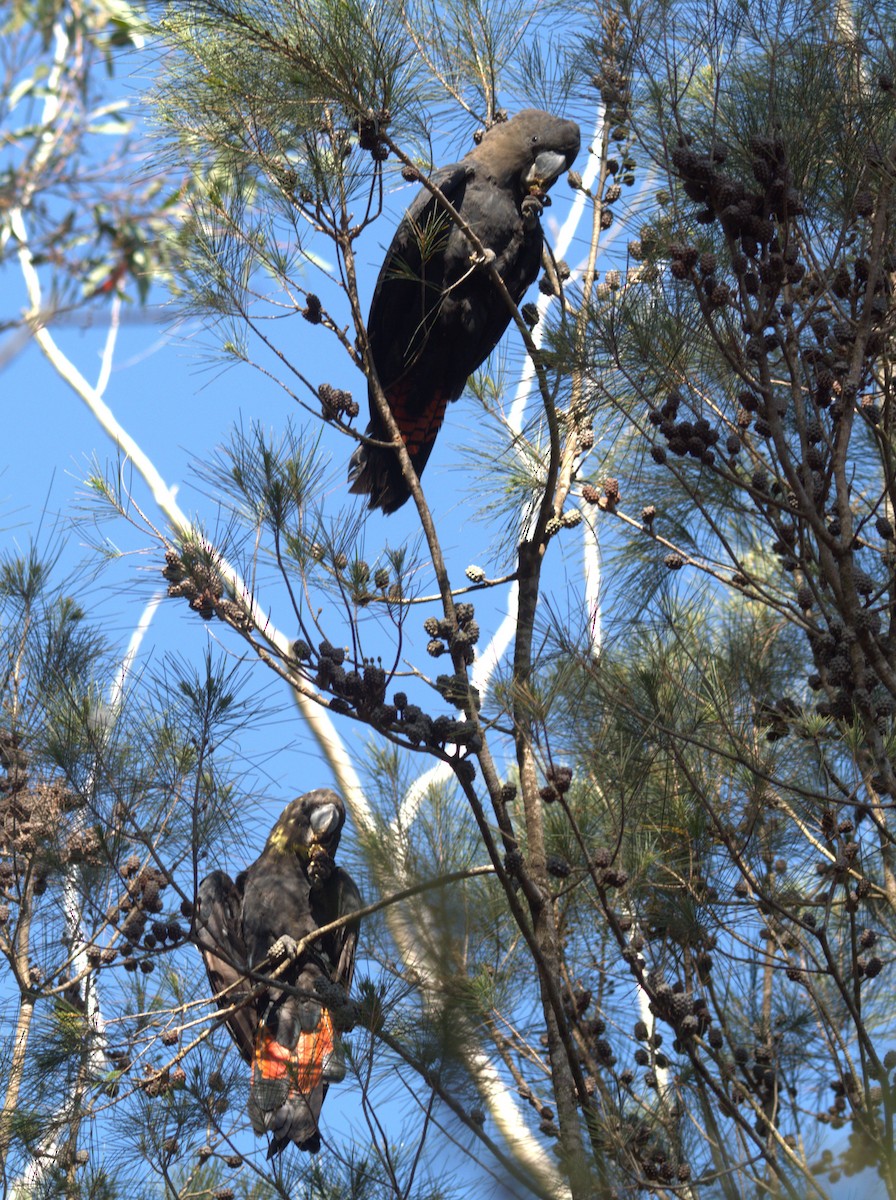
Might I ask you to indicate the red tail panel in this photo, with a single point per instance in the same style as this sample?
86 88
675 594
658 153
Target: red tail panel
303 1066
312 1051
417 429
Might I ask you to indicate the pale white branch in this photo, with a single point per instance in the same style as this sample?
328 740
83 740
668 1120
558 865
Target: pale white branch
164 496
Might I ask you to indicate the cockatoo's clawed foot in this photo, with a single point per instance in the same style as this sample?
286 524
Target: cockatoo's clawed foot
284 949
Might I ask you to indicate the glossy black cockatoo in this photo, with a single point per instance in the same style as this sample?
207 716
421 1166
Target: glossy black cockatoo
287 1037
436 313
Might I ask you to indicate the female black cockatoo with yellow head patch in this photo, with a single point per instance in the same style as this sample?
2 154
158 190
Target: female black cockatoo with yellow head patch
287 1036
436 313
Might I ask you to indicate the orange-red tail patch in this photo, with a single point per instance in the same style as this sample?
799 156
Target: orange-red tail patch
303 1065
419 429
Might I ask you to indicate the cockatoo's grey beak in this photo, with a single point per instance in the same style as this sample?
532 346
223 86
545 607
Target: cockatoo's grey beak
324 819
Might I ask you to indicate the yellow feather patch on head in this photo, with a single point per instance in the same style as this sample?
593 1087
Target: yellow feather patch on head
279 839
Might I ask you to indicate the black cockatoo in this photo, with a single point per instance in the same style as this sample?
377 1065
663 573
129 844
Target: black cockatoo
291 890
436 315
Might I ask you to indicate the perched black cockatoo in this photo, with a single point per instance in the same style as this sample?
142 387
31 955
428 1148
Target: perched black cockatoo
436 313
291 890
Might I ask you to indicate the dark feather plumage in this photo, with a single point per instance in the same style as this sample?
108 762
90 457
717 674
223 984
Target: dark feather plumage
291 890
435 317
